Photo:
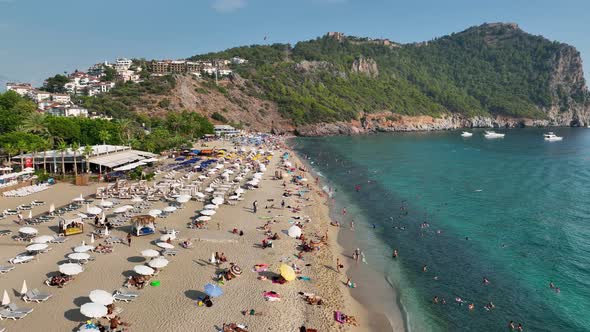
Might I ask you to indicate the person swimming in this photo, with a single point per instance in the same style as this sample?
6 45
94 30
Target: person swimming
486 281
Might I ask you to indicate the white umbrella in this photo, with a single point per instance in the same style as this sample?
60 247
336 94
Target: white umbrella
158 263
37 247
209 190
93 310
169 209
217 200
200 194
213 260
27 230
204 218
120 209
294 231
106 231
91 237
210 206
165 245
165 237
43 239
143 270
150 253
5 298
183 198
71 269
106 203
78 256
83 248
155 212
94 210
239 191
137 199
24 288
51 208
30 214
101 297
78 199
208 212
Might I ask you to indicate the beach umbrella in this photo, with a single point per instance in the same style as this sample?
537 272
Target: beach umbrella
239 191
106 203
78 256
37 247
165 245
158 263
155 212
83 248
51 208
24 288
42 239
287 272
213 260
217 200
203 218
143 270
213 290
235 270
137 199
165 237
93 310
30 214
94 210
183 198
294 231
101 297
106 231
91 237
169 209
209 190
78 199
200 194
208 212
71 269
120 209
5 298
210 206
27 230
150 253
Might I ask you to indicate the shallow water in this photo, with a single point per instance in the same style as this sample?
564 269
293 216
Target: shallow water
514 210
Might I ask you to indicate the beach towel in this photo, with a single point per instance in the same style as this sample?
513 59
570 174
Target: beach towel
338 317
271 296
260 268
304 278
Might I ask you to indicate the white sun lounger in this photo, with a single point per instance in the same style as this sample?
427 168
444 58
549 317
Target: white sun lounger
6 268
13 308
36 296
125 295
7 314
21 259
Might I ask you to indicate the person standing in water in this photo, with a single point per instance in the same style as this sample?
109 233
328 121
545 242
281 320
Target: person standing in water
394 255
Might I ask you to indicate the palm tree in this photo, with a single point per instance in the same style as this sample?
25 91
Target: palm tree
87 152
22 147
34 146
75 148
62 148
36 123
45 145
104 136
11 150
126 128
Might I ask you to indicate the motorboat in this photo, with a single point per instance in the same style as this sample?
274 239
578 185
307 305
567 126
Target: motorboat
550 136
493 134
466 134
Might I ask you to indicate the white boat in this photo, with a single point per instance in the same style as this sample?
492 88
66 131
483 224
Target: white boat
550 136
466 134
493 134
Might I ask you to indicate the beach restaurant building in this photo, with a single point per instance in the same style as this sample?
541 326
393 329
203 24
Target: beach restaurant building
104 158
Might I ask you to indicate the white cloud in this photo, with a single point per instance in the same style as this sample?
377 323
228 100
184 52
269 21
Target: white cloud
226 6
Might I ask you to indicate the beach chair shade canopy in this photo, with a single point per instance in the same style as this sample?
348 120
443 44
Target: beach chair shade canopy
37 247
42 239
101 297
27 230
158 263
93 310
143 270
165 245
71 269
150 253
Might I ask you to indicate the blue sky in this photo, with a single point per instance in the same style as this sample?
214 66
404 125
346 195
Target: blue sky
40 38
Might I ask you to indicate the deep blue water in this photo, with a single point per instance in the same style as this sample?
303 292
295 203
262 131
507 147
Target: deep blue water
514 210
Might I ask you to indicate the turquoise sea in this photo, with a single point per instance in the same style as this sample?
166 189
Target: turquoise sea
514 210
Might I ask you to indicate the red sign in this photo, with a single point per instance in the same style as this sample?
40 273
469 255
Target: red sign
29 162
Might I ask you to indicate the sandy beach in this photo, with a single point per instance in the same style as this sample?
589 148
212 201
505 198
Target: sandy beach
173 305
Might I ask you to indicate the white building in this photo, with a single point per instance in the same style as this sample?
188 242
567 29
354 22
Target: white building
122 64
100 87
238 61
225 130
128 75
224 72
39 96
62 98
76 111
22 89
